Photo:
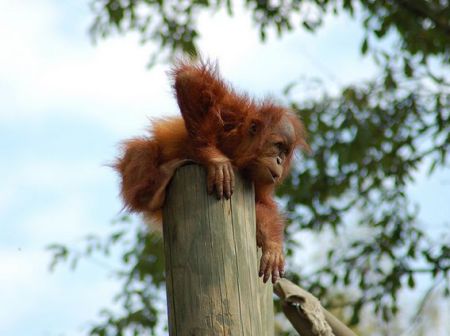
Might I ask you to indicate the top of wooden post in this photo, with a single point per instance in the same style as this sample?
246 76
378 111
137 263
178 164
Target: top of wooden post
211 260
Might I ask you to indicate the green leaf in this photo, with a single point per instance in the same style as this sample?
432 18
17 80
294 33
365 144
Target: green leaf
365 46
407 69
308 26
411 282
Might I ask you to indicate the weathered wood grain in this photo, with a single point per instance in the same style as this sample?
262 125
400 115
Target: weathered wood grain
211 260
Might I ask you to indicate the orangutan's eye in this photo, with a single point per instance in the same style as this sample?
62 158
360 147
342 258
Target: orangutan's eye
253 128
282 148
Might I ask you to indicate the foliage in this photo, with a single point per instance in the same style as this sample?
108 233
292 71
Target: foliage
368 143
141 274
423 26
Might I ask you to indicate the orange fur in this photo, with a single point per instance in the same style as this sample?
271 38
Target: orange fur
218 128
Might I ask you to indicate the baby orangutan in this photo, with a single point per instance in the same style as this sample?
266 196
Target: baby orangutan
222 130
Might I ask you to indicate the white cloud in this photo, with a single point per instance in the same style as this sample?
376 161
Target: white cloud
45 72
331 53
41 303
75 200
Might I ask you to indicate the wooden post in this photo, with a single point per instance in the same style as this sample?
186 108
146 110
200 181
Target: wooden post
211 260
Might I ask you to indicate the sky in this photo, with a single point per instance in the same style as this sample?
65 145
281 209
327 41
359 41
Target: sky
66 103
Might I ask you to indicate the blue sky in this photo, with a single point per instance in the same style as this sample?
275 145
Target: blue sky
65 104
